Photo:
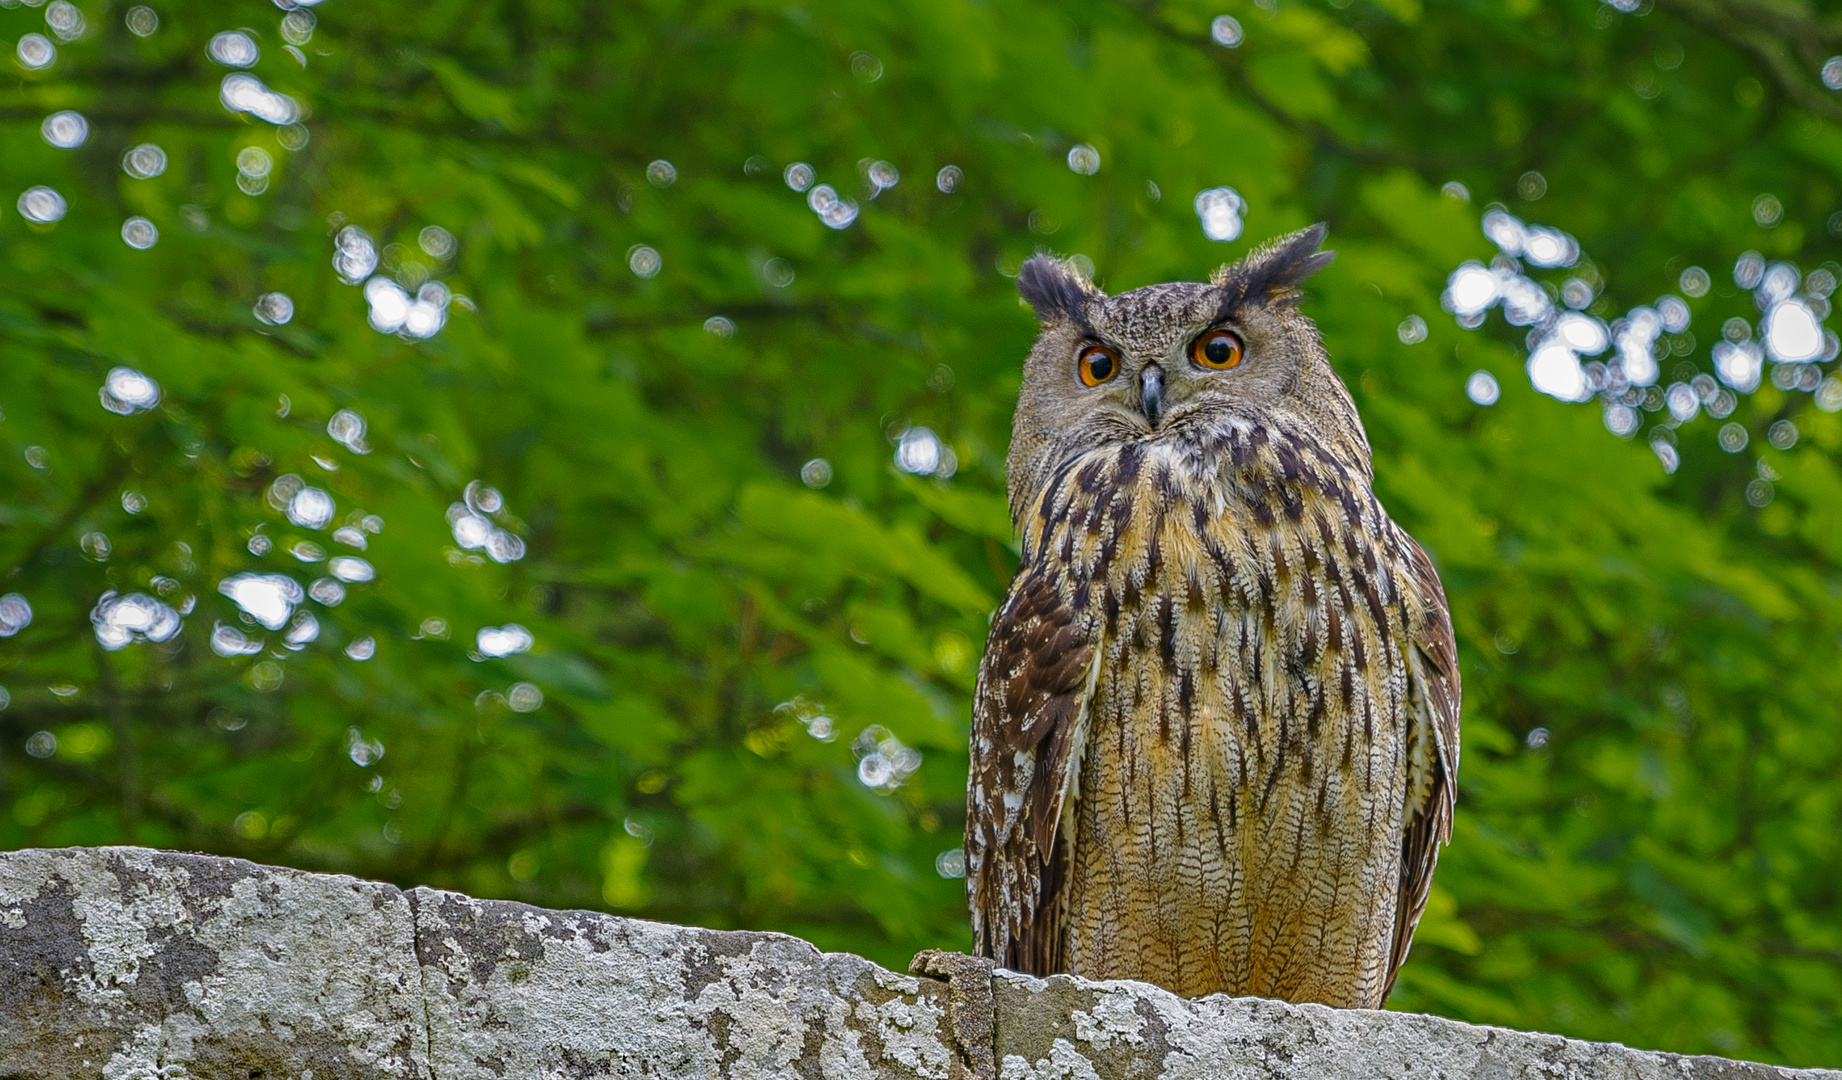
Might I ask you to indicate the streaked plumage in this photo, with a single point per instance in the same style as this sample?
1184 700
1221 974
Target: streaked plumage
1215 737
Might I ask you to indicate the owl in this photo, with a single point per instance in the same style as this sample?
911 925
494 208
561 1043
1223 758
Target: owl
1215 732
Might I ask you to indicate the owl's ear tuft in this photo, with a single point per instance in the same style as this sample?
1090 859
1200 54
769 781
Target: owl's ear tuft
1273 272
1055 289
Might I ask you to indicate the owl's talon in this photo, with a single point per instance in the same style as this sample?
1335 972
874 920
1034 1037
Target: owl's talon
969 1006
941 964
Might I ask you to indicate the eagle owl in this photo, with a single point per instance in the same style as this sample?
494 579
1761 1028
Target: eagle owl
1215 734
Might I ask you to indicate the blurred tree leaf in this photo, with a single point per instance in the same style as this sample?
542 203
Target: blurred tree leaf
650 407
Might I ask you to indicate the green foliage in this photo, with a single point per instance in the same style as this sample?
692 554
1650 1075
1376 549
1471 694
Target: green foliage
713 637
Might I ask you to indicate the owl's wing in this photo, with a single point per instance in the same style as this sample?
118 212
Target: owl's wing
1433 701
1029 717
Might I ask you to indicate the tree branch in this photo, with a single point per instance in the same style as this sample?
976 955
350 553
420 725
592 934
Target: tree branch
1783 39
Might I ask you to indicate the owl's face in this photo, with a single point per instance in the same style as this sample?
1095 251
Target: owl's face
1170 362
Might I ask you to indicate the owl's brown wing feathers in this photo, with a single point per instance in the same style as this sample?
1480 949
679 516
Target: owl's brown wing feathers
1027 716
1434 695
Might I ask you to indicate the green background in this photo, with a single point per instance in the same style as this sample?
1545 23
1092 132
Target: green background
1662 871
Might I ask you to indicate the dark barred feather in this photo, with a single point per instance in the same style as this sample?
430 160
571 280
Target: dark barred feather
1274 668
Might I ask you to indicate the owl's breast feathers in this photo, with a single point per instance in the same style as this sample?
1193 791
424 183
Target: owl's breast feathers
1238 623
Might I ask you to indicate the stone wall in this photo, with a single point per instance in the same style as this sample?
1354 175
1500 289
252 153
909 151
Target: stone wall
132 964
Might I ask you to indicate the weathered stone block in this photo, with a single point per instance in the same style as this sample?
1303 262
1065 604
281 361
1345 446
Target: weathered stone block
514 990
135 964
1062 1027
131 964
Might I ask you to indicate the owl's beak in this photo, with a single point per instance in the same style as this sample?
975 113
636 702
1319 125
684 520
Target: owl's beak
1151 393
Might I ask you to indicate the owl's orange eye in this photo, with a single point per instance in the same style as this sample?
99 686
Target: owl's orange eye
1217 349
1098 364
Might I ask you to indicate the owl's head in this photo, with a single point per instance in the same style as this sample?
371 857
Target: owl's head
1172 362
